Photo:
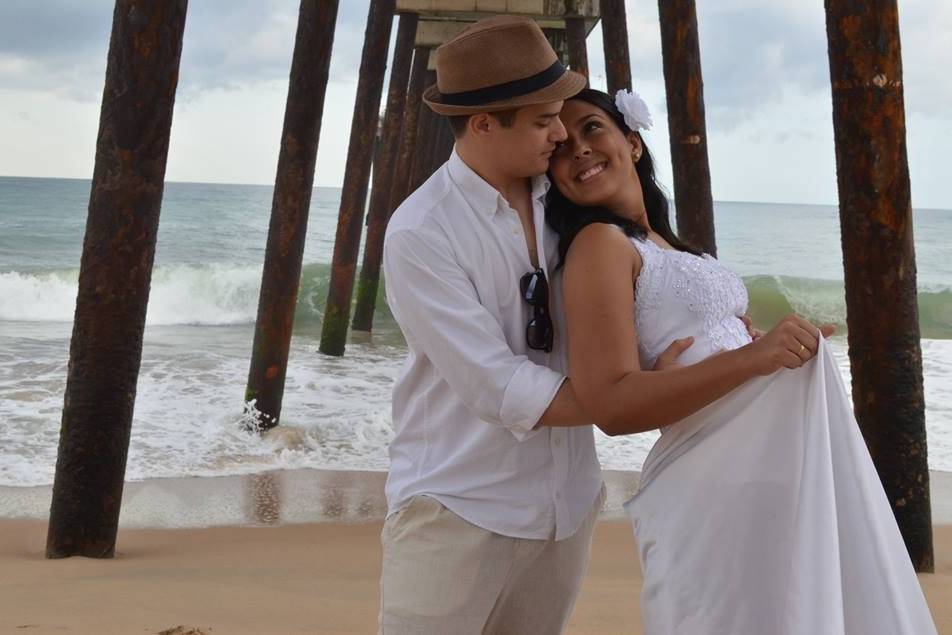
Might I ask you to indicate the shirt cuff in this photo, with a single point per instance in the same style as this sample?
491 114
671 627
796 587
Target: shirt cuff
528 394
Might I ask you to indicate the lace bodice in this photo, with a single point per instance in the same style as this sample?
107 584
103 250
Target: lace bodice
678 294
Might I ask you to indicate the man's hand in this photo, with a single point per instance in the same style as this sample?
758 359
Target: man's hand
669 358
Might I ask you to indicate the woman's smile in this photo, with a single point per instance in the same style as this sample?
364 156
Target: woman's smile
591 172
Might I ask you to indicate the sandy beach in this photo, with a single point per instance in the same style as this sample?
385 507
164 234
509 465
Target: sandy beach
256 575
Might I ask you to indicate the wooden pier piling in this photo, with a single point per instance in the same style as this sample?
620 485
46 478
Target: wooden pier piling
289 208
687 129
427 128
409 146
882 314
356 176
615 41
575 35
115 273
384 172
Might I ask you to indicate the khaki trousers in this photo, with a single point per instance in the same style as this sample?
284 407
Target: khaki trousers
442 574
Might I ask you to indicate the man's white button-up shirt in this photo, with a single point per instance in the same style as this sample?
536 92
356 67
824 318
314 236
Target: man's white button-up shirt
469 396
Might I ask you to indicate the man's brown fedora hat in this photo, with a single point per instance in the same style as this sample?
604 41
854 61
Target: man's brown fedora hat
496 64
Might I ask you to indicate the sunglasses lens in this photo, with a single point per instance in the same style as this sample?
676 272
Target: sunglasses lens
539 333
528 286
535 291
541 292
534 288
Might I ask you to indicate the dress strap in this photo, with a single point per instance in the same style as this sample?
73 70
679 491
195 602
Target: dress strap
646 246
651 278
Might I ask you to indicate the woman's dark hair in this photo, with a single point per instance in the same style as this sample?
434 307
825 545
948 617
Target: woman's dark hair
568 219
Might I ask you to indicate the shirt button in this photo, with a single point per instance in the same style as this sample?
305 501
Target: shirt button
557 441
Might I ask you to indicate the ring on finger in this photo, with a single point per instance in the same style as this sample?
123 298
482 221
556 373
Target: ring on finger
802 348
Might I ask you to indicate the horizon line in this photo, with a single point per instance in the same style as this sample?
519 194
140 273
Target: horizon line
338 187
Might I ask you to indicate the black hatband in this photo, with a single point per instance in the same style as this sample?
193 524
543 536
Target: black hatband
508 90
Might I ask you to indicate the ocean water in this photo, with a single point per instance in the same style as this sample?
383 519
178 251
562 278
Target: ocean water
337 410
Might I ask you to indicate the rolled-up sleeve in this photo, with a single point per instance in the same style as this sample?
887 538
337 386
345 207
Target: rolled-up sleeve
438 309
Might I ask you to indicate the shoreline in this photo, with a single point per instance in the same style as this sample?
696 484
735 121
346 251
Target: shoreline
294 551
303 496
273 498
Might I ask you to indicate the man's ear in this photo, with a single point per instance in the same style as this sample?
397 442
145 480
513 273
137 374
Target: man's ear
480 124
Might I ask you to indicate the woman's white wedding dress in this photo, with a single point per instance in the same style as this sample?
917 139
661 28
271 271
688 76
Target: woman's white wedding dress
761 514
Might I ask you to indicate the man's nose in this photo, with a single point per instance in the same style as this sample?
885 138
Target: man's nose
559 133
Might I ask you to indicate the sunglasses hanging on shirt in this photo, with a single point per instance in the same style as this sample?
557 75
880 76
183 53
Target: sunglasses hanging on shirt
535 291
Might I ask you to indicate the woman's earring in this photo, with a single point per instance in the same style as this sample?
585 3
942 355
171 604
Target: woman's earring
636 155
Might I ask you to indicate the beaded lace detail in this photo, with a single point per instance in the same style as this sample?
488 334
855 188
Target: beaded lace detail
649 284
713 294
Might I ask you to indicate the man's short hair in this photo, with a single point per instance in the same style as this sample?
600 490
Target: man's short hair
506 119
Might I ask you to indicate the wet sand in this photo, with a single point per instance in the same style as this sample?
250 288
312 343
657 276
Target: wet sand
263 571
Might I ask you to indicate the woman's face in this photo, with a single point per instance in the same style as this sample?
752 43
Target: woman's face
595 165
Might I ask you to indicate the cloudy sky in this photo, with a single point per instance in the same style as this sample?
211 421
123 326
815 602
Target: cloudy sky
765 69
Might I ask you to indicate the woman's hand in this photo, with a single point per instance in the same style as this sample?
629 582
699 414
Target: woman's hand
790 344
755 334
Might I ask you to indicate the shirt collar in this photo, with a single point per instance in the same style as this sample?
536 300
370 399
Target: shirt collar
540 186
484 196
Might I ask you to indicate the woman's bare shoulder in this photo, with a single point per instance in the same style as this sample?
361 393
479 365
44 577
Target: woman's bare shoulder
602 242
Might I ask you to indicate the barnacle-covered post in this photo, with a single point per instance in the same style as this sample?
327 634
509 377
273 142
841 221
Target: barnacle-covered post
356 176
686 125
869 126
290 204
384 172
615 40
114 276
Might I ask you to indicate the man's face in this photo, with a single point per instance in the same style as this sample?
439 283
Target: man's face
524 148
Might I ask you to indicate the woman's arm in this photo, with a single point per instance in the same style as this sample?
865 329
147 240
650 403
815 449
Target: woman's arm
603 343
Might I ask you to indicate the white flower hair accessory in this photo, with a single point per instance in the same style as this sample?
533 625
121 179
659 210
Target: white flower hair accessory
635 110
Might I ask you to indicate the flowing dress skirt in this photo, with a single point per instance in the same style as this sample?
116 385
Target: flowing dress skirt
763 514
